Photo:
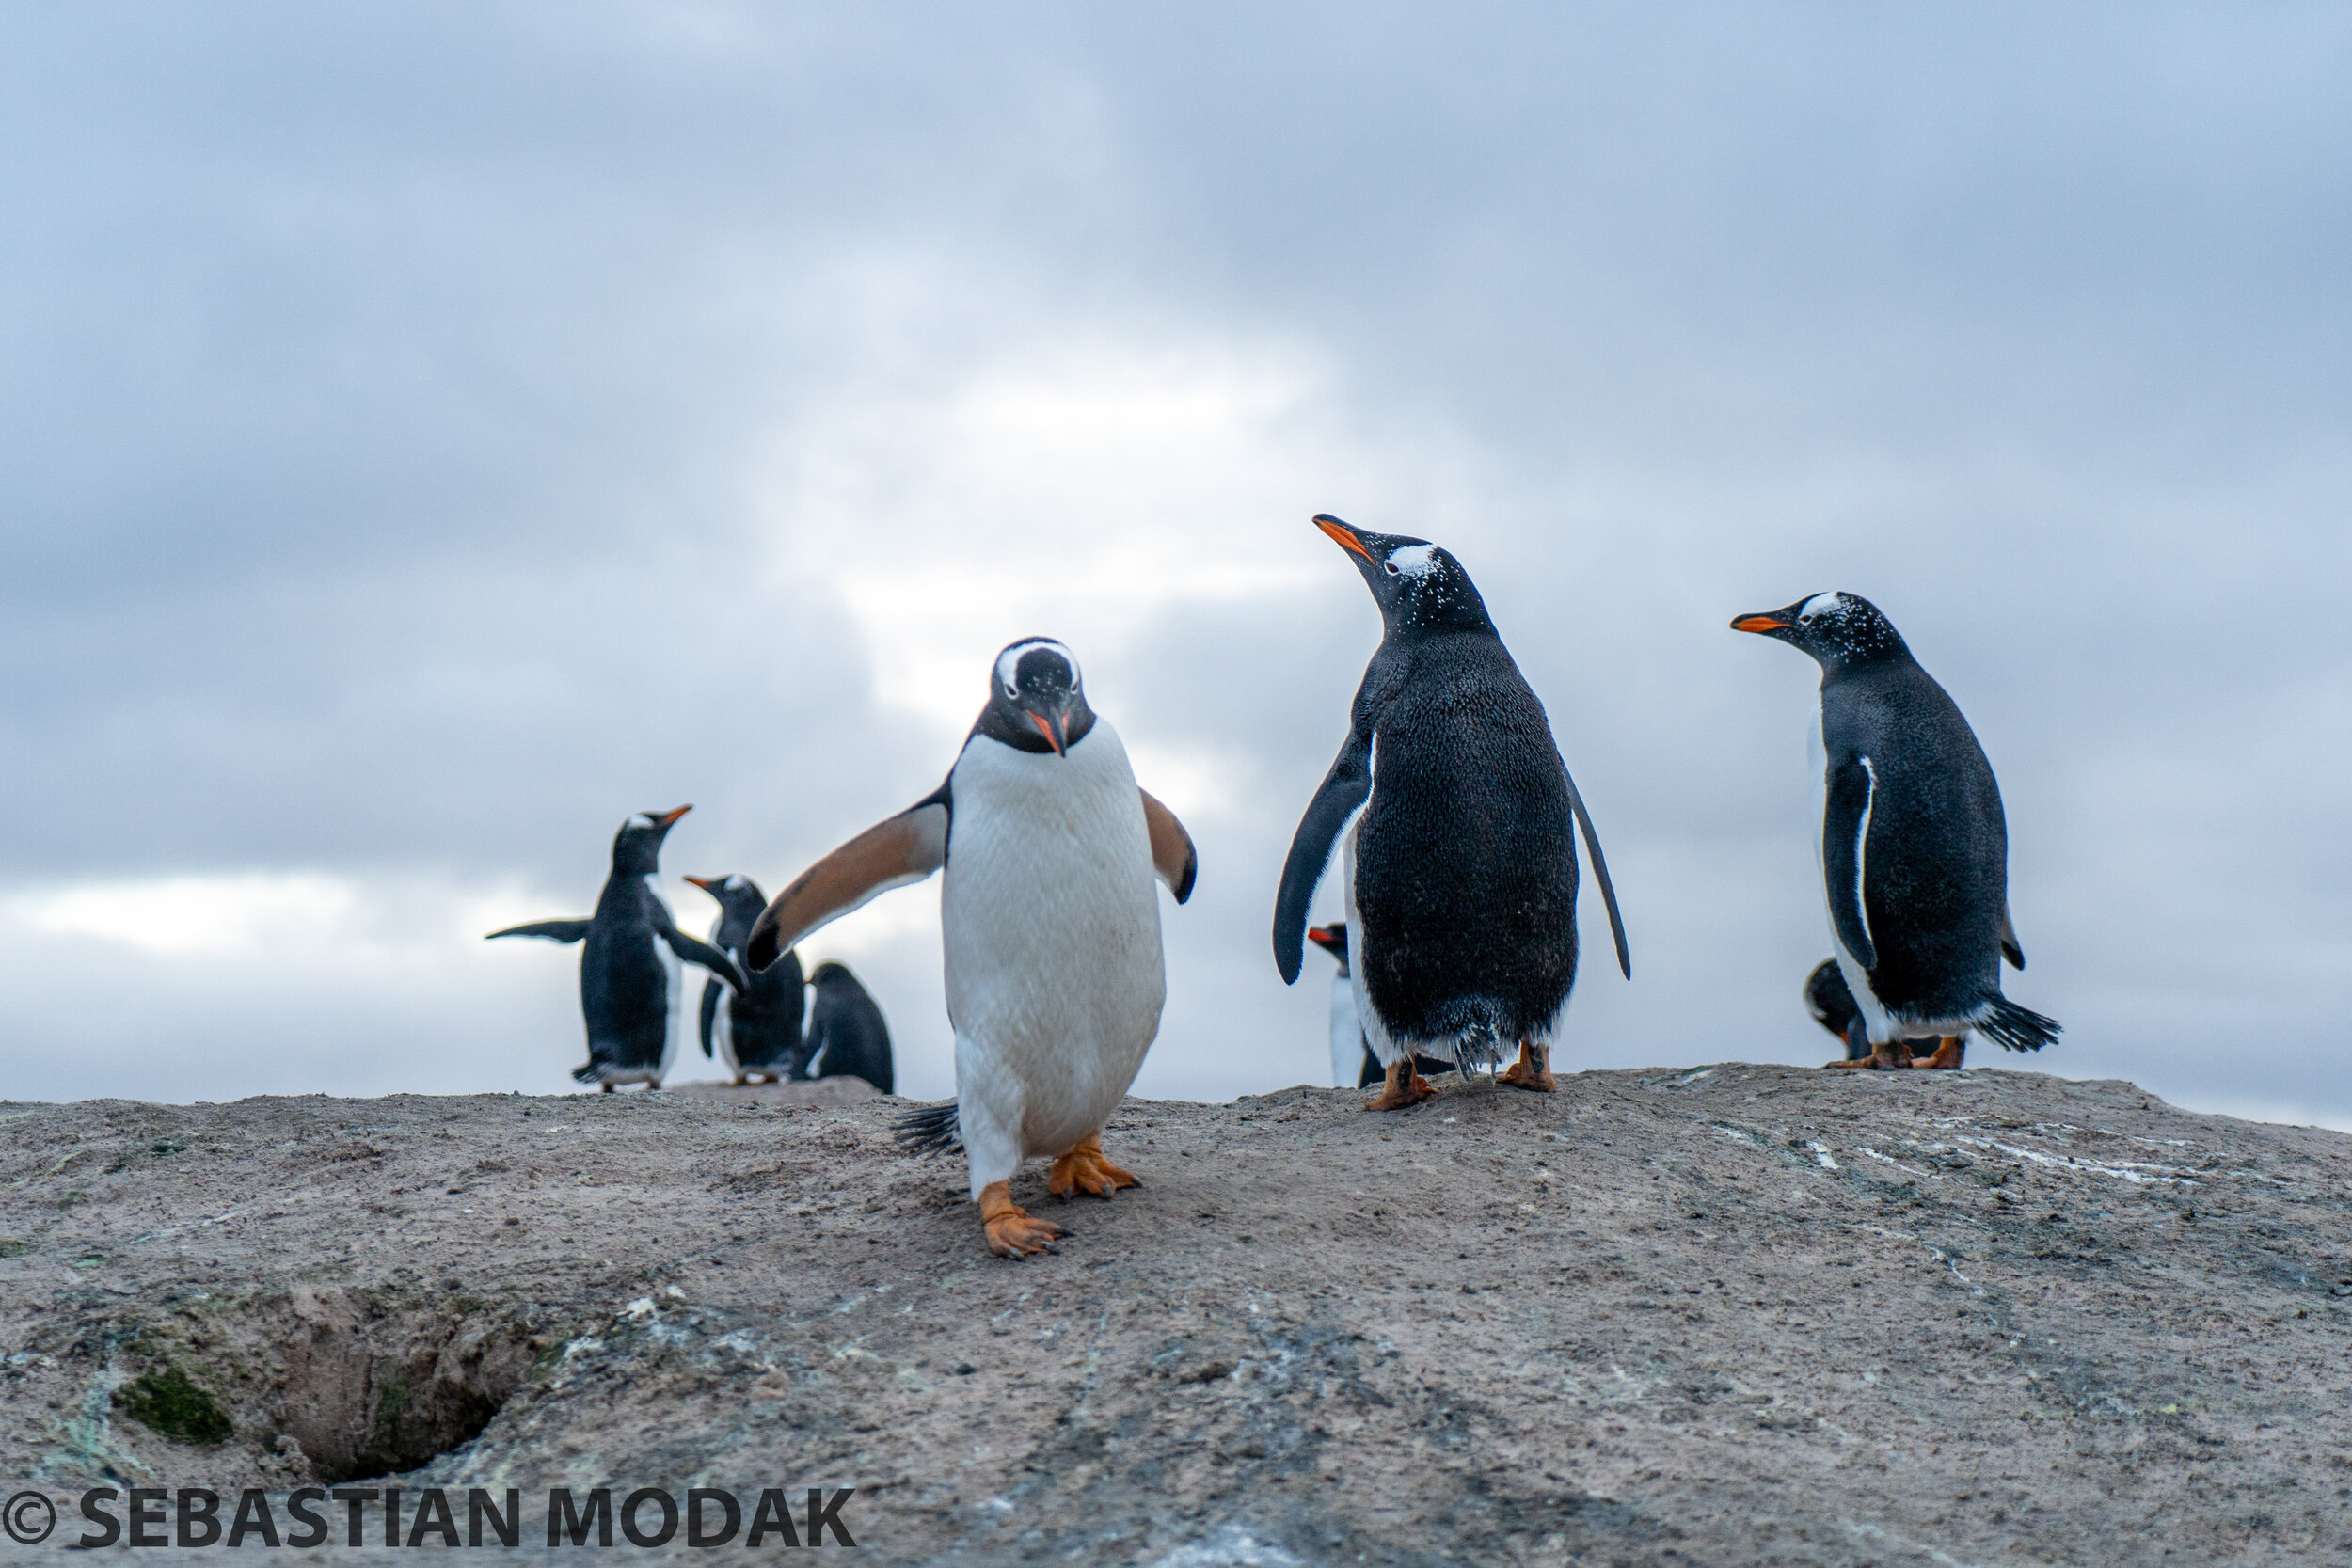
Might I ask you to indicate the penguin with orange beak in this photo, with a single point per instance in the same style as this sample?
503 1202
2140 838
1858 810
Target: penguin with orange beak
625 971
1457 823
1911 838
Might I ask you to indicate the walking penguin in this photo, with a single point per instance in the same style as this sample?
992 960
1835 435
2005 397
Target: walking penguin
1049 924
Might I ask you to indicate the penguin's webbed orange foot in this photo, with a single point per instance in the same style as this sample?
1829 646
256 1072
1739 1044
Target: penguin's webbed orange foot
1533 1070
1864 1061
1085 1170
1012 1233
1405 1088
1948 1057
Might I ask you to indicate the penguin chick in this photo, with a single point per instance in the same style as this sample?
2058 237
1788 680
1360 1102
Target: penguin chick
1456 821
625 971
847 1035
1352 1060
1049 925
1914 848
757 1029
1833 1007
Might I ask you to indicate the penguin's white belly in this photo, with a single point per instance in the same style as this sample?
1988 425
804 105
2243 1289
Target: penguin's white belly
1347 1034
1050 920
723 1035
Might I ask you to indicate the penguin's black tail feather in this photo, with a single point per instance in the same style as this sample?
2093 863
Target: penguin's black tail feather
586 1072
930 1130
2017 1028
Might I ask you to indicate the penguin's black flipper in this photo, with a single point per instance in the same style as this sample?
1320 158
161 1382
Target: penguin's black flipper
712 990
554 930
1347 786
891 853
1845 821
1173 854
1600 873
697 951
2009 947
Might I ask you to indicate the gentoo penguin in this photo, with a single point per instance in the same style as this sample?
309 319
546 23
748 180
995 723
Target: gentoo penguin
757 1032
1912 846
1050 927
1832 1005
1455 816
625 971
847 1037
1352 1061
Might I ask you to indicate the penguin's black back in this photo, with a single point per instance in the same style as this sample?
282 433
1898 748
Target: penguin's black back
1936 876
1466 869
624 983
847 1035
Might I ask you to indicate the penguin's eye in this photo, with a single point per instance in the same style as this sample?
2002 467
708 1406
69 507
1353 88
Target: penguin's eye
1391 568
1011 691
1805 620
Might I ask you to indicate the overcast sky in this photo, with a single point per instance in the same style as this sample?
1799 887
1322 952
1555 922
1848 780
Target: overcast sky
431 433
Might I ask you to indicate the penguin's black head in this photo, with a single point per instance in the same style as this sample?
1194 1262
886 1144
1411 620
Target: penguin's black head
1332 938
637 847
736 893
830 973
1419 587
1037 701
1840 631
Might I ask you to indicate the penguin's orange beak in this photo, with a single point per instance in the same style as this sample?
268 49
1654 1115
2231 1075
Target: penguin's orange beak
1342 535
706 883
1758 623
1056 733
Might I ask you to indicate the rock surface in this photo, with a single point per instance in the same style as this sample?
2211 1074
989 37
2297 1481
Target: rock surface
1731 1315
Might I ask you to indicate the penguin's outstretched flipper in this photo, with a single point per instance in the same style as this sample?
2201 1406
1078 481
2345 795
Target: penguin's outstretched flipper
712 991
1173 854
1345 789
1845 852
554 930
1600 873
895 852
694 950
2011 949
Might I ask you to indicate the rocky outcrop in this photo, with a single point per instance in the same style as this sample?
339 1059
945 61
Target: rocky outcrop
1730 1315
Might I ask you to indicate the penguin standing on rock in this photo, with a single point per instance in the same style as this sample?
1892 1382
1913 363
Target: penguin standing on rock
1913 845
625 971
1457 822
847 1035
755 1029
1049 924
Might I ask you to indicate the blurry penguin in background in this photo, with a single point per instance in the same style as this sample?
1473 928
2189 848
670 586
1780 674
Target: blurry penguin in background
1352 1060
756 1032
1912 840
847 1037
1832 1005
626 969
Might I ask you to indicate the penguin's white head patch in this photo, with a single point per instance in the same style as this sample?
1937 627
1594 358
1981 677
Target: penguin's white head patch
1821 604
1008 662
638 819
1410 561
